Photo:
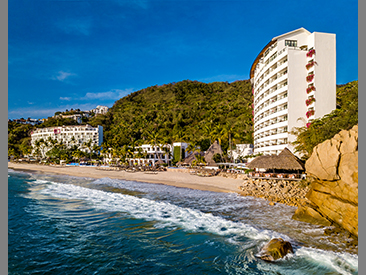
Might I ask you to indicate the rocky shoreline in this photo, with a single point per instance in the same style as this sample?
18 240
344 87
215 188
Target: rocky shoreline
276 191
293 193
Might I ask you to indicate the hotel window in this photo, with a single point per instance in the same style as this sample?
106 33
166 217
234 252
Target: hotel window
291 43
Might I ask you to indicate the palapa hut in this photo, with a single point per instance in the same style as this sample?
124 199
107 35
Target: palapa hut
284 162
192 157
215 148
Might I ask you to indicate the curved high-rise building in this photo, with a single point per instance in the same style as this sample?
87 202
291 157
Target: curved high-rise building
294 81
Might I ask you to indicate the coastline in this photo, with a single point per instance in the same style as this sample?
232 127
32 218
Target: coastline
172 178
256 188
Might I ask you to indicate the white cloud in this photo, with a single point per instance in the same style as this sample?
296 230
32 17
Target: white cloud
65 98
113 94
62 76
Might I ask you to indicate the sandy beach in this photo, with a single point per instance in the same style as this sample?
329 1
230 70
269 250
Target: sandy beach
174 178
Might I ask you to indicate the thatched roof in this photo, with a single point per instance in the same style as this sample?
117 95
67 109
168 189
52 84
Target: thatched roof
215 148
191 158
284 161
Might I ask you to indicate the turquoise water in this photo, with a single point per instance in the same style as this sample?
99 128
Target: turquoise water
68 225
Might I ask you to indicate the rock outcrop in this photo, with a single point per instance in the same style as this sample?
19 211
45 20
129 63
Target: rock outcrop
333 194
275 191
276 249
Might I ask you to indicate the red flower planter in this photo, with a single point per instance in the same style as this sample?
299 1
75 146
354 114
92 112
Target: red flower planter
309 89
310 78
310 53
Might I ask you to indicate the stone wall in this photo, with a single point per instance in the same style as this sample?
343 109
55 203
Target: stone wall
333 194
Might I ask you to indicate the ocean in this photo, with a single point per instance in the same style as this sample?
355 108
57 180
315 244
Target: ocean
71 225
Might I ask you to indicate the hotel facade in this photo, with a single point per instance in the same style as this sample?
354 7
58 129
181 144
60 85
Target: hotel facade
294 82
69 135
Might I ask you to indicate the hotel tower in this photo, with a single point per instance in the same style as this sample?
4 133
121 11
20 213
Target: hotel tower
294 82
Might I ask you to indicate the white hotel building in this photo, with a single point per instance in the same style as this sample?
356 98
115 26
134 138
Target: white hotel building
294 82
69 135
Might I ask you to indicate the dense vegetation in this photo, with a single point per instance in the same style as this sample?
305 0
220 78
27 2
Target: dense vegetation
187 111
344 117
18 139
193 112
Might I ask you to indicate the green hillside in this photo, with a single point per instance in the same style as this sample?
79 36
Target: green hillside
188 111
194 112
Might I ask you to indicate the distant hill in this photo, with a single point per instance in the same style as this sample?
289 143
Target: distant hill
189 111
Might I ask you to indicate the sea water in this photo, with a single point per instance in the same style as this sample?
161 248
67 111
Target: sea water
70 225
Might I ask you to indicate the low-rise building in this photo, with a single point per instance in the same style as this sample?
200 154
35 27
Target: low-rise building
76 117
150 155
31 121
100 110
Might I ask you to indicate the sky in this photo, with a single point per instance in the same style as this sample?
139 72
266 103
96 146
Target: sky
77 54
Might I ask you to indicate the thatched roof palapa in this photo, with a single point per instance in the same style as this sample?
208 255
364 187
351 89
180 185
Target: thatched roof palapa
284 161
215 148
191 158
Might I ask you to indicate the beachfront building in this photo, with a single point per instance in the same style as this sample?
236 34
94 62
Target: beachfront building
294 82
150 155
79 135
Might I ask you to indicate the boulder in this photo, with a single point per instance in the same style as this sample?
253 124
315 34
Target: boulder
333 194
308 214
276 249
323 162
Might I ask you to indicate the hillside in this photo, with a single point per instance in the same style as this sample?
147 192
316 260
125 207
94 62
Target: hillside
188 111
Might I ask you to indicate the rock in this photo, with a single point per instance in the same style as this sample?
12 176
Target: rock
333 192
323 162
308 214
276 249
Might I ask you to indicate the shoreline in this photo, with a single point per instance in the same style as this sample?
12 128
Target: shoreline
244 187
172 178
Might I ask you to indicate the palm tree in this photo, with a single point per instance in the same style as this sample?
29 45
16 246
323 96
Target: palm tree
43 146
89 145
155 141
77 154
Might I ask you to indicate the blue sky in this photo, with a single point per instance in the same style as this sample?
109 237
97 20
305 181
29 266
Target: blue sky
79 54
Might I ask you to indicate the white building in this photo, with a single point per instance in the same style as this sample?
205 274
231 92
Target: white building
100 110
76 117
294 81
241 150
151 154
69 135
